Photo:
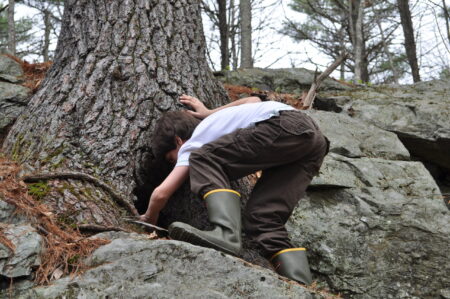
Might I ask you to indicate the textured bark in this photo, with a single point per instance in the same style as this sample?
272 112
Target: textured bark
446 13
410 43
224 35
356 24
11 28
118 66
245 12
47 28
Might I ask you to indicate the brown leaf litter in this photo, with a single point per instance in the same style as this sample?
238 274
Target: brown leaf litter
64 247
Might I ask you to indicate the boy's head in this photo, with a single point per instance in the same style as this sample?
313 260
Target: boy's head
171 125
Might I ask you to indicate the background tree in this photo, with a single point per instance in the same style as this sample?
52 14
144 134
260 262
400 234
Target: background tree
117 68
49 14
25 41
410 43
357 36
261 14
245 14
338 26
446 16
11 28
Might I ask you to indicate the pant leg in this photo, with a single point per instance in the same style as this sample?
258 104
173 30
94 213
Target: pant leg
269 207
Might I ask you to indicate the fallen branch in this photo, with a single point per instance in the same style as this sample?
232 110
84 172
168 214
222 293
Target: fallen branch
309 100
118 198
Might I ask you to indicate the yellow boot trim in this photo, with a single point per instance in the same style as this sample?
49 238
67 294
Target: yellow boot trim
221 190
286 250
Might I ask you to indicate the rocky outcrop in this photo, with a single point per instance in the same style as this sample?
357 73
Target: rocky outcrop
419 114
292 80
10 70
375 224
13 97
135 266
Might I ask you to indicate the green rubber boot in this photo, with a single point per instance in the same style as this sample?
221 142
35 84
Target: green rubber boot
224 212
293 264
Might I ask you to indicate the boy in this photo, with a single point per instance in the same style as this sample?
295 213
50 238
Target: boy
230 142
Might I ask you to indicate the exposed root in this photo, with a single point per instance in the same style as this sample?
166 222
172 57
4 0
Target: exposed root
119 199
95 228
64 247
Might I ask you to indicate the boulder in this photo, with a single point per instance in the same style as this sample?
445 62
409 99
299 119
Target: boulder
13 99
375 226
10 70
24 257
133 265
419 114
292 80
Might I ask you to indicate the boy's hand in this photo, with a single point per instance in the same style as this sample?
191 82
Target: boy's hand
200 110
144 218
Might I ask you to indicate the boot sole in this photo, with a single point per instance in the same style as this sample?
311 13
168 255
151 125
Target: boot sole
180 234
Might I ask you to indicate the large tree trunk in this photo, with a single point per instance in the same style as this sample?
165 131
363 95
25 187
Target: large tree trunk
11 28
408 31
118 66
245 12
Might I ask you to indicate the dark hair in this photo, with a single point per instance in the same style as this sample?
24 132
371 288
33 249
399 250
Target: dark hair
171 124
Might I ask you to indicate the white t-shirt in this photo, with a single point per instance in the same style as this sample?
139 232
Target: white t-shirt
226 121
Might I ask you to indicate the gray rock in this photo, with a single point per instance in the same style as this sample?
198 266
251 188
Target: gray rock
10 70
25 256
280 80
419 114
8 215
354 138
386 235
135 267
13 99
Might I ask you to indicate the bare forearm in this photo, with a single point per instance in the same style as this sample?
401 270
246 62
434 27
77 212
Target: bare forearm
200 110
157 202
163 192
237 103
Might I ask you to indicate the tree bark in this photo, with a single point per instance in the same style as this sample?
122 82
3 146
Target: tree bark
233 33
11 28
358 45
224 32
408 31
47 29
118 66
446 14
245 12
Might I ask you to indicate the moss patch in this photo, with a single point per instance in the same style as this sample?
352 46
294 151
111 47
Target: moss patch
39 190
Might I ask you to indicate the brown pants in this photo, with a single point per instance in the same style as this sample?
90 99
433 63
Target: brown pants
289 149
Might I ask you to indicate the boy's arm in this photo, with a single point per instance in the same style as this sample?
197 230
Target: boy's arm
201 111
163 192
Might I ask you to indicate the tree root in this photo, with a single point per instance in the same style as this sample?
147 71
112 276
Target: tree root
118 198
99 228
